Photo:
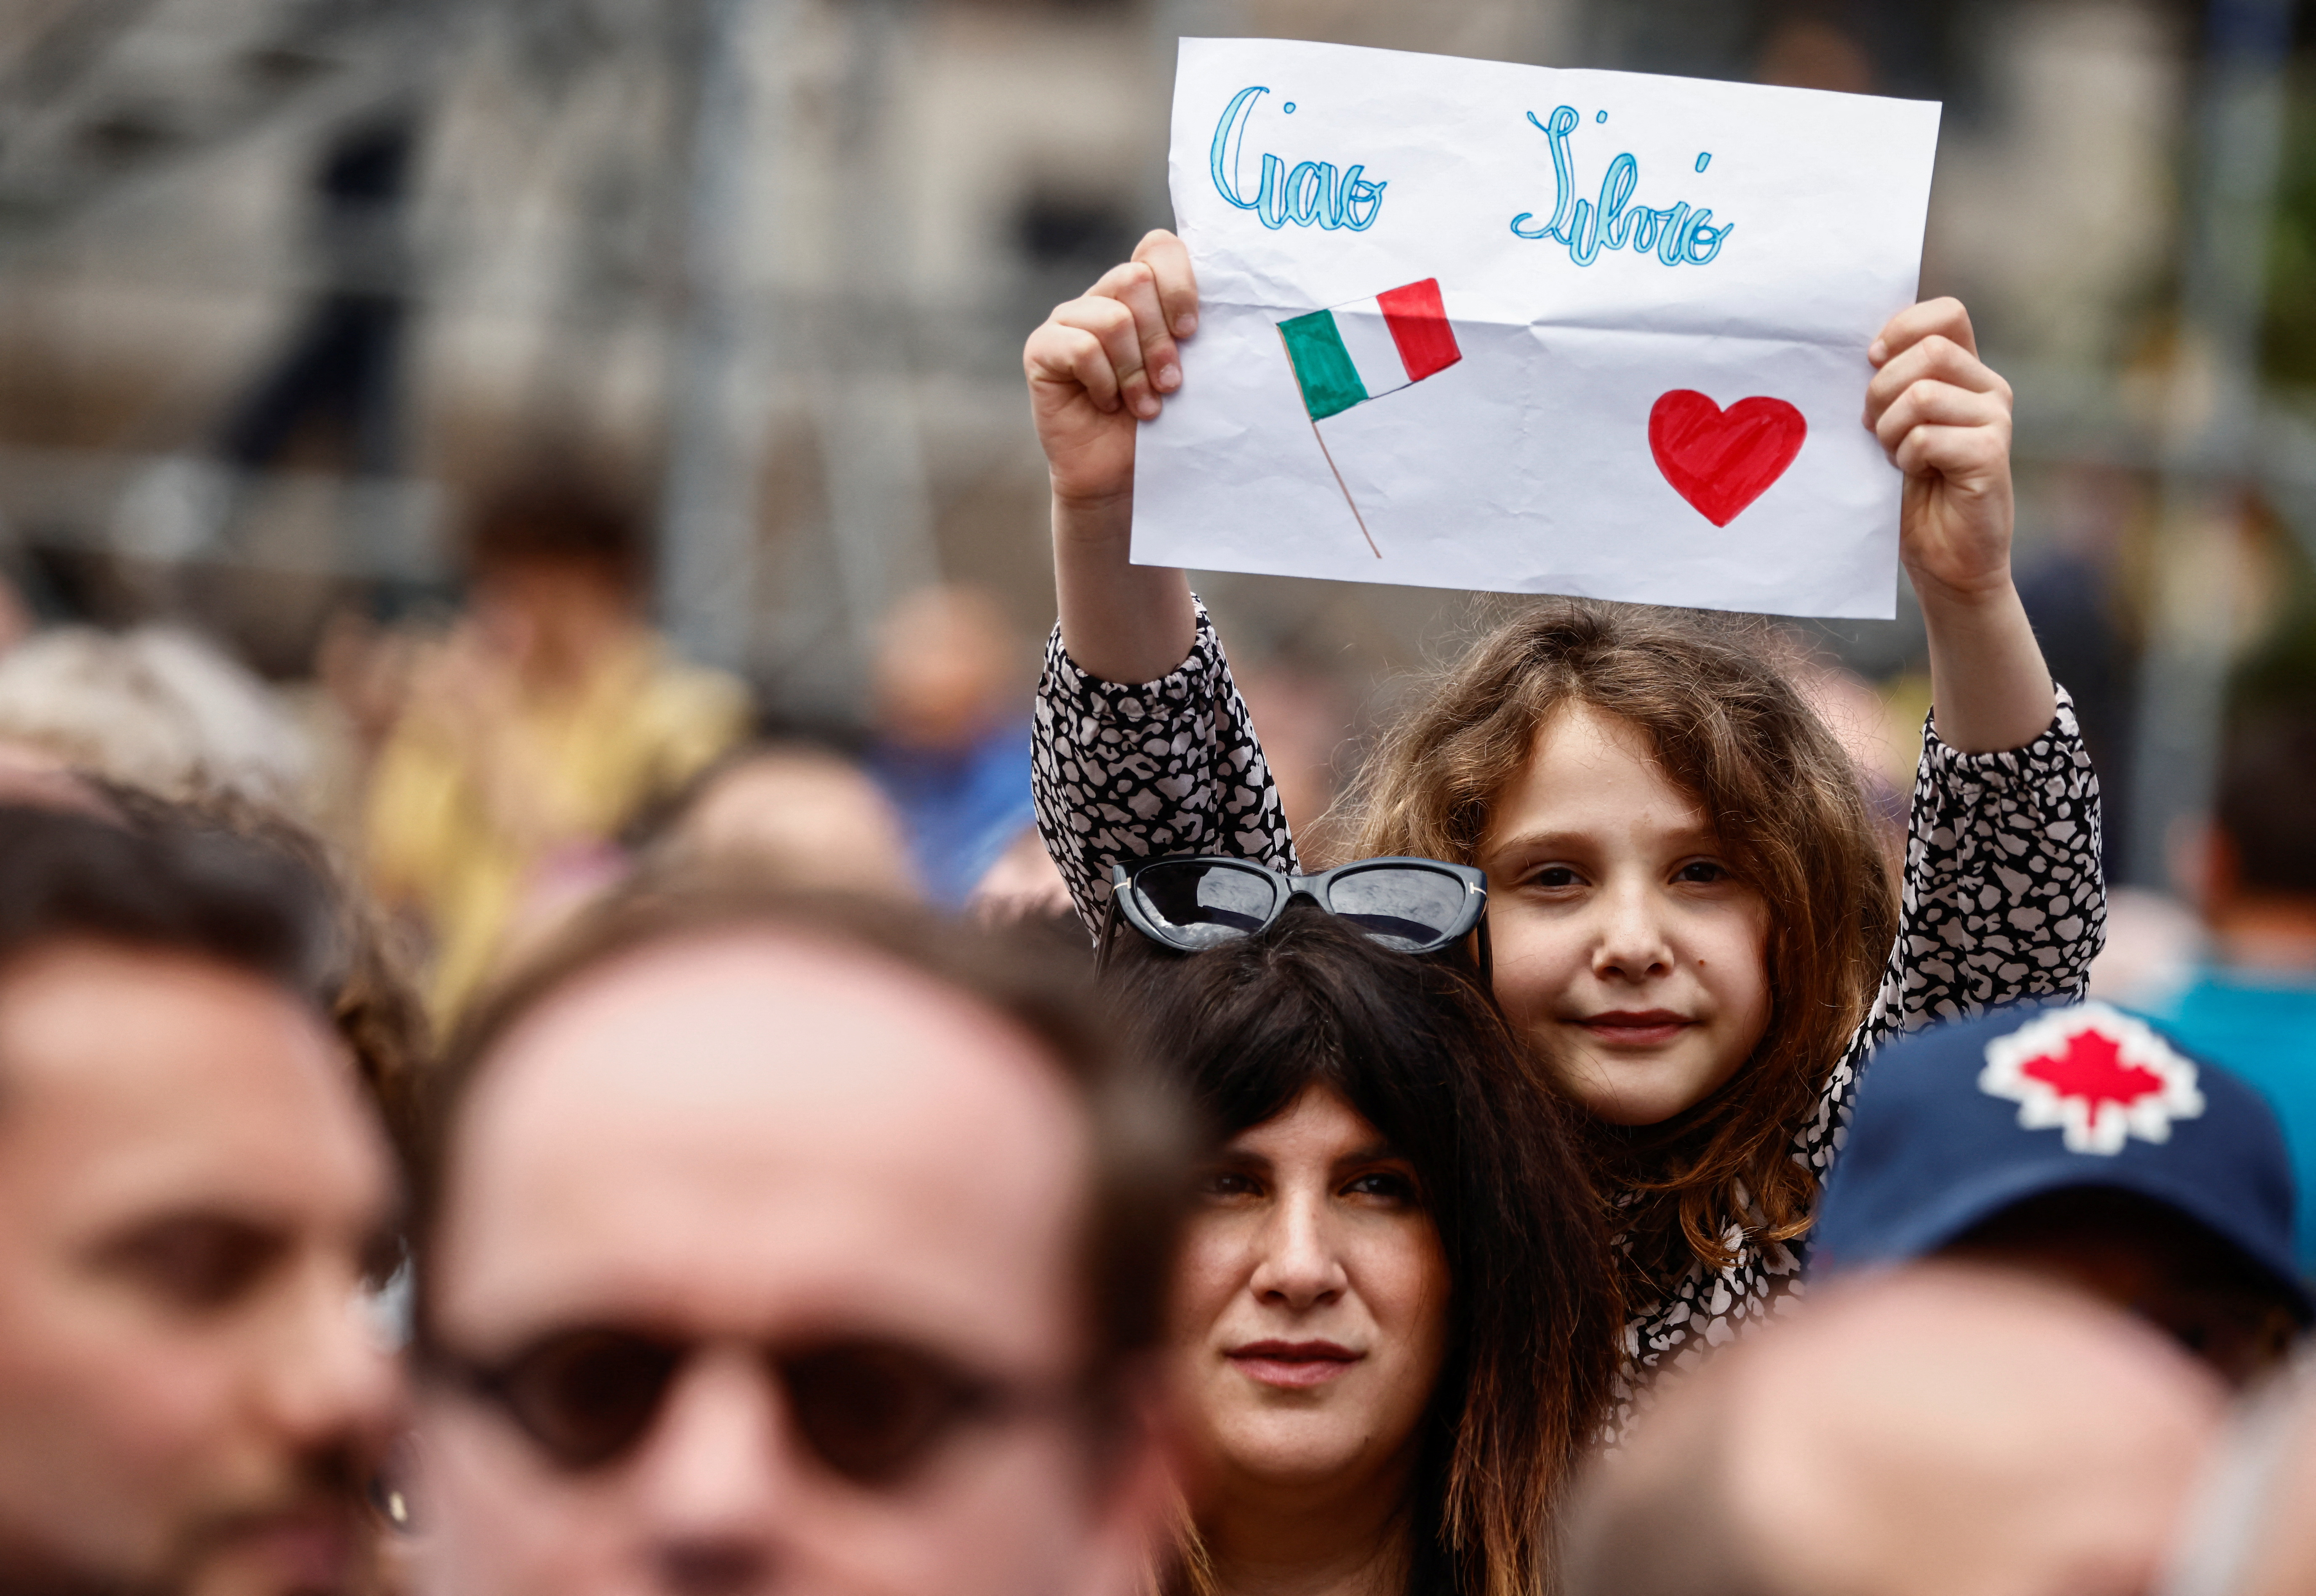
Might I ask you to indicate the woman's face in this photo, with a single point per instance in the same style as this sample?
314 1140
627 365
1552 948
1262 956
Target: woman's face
1624 947
1311 1318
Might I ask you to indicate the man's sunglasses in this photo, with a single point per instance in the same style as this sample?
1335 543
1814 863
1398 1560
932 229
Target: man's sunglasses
1197 902
872 1411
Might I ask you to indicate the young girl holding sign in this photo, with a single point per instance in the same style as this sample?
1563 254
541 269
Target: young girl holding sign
1689 918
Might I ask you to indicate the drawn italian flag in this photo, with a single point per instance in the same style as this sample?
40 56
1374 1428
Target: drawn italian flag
1352 353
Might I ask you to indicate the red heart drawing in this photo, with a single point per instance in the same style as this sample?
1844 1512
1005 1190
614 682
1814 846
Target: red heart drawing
1722 460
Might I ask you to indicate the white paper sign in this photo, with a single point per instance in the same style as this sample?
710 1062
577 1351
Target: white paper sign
1592 333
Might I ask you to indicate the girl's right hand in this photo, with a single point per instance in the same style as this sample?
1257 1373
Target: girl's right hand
1099 364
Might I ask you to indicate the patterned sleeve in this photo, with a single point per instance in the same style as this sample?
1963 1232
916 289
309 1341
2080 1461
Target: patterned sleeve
1169 766
2004 898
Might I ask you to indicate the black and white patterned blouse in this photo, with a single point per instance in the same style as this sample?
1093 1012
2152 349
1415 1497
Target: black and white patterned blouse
2003 898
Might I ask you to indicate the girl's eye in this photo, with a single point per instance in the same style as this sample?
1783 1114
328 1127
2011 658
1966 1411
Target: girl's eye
1384 1185
1554 874
1703 870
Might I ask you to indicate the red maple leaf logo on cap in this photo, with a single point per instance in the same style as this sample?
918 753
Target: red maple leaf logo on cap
2094 1073
2091 1067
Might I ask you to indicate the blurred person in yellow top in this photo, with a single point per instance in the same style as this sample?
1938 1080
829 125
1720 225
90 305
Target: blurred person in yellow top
546 721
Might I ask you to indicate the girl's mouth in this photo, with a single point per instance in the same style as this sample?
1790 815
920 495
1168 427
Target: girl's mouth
1293 1366
1634 1028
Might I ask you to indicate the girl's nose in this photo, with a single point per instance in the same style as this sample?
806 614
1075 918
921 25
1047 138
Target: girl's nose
1633 942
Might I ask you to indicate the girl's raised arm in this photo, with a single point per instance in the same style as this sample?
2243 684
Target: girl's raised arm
1096 368
1141 745
2004 899
1944 416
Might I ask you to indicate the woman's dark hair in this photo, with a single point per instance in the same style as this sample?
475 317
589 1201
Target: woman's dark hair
1418 1047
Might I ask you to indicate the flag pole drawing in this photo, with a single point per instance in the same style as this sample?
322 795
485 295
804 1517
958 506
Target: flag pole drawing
1350 354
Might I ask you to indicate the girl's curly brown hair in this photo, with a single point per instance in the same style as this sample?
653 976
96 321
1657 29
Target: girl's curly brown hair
1729 729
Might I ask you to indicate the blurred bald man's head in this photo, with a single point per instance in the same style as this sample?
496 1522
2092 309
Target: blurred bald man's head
775 1246
1942 1431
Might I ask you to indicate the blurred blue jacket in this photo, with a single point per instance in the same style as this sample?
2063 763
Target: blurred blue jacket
961 808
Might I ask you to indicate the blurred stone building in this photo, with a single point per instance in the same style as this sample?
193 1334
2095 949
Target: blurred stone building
776 258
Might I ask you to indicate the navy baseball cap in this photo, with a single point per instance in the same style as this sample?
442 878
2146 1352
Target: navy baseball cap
1954 1125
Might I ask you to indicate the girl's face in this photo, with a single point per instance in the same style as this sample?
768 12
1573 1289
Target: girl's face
1624 946
1311 1310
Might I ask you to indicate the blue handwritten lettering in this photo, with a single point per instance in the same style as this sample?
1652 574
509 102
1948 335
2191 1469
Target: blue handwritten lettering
1563 186
1270 200
1313 193
1676 236
1310 196
1358 191
1673 243
1229 134
1710 237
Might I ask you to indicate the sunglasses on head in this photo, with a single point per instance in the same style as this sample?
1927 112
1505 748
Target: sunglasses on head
1201 901
871 1412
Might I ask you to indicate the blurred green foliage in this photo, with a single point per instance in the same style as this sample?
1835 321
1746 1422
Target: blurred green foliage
2278 672
2288 344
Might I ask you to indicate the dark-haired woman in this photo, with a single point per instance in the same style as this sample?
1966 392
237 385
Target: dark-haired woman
1395 1316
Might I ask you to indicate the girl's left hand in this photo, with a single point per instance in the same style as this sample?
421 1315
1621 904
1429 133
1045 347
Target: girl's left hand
1943 417
1946 420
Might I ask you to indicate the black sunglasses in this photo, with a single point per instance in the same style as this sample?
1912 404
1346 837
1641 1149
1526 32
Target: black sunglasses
872 1411
1415 905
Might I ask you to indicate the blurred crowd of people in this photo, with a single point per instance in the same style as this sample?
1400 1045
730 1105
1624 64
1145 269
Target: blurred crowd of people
760 1227
512 1121
484 773
511 1114
550 888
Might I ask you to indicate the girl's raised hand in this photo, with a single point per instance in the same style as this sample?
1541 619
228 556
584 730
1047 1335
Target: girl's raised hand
1096 367
1099 365
1943 417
